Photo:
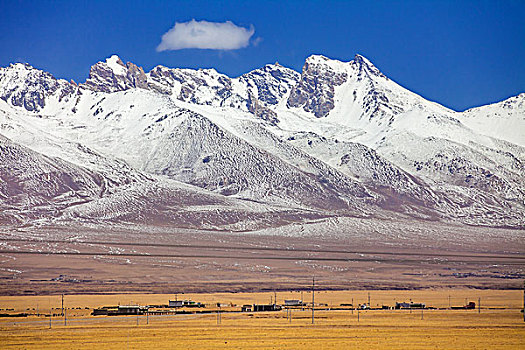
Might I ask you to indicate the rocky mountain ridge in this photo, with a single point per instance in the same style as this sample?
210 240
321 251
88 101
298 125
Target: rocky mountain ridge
338 139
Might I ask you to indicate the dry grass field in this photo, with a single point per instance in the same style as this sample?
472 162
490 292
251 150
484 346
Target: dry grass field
499 325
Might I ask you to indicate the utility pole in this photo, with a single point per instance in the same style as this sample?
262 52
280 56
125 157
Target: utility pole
369 299
274 297
313 298
357 314
147 317
479 305
50 313
449 301
64 311
353 306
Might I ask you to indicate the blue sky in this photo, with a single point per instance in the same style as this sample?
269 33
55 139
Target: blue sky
458 53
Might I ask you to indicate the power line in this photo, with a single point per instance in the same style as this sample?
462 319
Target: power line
313 299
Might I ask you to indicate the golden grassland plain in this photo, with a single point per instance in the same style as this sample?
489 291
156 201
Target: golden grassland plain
499 325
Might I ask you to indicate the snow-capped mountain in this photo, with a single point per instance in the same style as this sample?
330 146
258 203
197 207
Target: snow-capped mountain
196 148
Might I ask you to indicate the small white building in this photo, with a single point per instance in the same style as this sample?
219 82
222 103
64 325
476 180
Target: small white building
184 303
175 303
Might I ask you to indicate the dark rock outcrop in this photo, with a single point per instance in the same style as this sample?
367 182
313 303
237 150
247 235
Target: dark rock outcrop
315 91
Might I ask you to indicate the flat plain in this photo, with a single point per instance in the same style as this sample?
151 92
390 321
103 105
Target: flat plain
497 325
438 265
351 254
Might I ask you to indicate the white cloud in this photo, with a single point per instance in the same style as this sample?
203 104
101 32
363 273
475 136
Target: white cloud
205 35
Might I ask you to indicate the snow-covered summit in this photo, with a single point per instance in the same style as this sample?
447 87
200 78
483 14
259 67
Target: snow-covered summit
339 138
24 86
362 64
503 120
113 75
116 65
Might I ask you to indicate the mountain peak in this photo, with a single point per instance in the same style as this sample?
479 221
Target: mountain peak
364 64
116 65
362 60
26 86
315 90
317 58
20 66
324 65
323 60
115 58
113 75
